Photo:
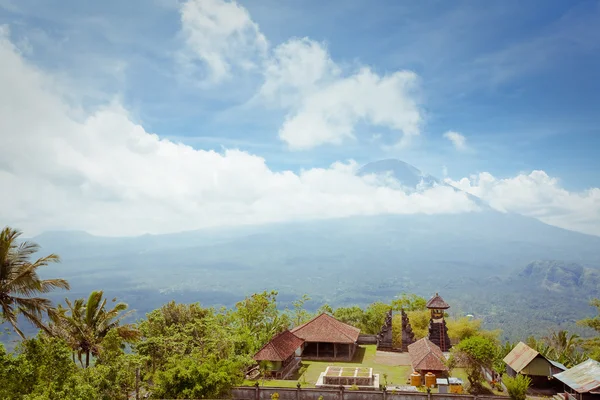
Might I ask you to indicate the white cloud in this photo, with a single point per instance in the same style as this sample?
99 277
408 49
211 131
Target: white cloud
538 195
458 140
105 174
324 105
222 36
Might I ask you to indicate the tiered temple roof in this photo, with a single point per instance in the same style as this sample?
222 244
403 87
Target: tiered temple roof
325 328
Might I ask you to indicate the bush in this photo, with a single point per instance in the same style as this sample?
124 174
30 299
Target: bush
517 386
275 396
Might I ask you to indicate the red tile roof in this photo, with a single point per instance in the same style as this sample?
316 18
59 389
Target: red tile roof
426 356
280 348
437 302
327 329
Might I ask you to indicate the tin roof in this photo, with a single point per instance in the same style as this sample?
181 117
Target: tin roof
280 348
558 365
437 302
426 356
582 378
520 356
326 329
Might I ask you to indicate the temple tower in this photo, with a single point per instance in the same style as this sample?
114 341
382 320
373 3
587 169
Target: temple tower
438 332
408 337
384 338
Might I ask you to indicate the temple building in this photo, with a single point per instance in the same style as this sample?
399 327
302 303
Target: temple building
426 356
326 338
438 331
280 356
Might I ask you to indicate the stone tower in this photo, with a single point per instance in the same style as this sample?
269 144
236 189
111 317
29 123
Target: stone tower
384 339
438 332
408 337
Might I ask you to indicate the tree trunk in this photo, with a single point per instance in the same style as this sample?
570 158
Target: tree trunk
87 358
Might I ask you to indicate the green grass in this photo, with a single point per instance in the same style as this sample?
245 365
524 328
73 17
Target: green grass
364 357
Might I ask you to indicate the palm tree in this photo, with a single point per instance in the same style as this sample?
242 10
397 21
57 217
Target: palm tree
20 284
85 324
564 346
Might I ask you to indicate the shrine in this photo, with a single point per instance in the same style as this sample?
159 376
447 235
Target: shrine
438 331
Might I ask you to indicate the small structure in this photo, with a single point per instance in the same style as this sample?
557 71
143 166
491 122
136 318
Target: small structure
527 361
280 356
426 356
362 377
438 332
442 385
384 338
456 385
582 382
326 338
408 336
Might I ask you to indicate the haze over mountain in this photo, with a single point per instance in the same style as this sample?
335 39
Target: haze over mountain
353 260
166 157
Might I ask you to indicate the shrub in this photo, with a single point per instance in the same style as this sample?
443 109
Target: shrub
275 396
517 386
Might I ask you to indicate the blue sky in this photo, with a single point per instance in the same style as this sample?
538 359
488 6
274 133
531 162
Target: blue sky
518 81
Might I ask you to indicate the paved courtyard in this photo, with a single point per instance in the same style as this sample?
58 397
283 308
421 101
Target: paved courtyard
392 358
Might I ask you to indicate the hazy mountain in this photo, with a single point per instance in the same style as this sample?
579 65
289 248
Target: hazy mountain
404 173
471 258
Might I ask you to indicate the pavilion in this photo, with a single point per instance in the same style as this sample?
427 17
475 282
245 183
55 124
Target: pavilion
280 356
426 356
326 338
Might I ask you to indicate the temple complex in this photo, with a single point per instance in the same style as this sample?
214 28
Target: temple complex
438 331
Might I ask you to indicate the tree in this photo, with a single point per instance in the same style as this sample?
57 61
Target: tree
517 387
474 354
299 314
84 325
20 284
409 302
350 315
592 345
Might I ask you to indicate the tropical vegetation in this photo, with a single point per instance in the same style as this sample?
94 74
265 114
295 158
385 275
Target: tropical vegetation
91 347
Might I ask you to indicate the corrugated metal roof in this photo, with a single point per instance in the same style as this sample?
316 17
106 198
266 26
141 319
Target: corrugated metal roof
558 365
583 377
520 356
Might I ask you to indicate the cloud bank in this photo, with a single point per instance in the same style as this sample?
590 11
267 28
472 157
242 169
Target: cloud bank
101 171
537 195
104 173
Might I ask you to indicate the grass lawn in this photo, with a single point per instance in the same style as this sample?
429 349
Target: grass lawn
364 357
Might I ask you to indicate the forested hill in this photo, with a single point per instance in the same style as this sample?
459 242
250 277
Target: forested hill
532 299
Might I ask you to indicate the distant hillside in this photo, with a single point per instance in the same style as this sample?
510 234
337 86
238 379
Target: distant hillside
562 277
475 259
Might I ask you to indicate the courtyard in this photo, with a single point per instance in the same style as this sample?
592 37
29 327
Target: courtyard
394 366
394 369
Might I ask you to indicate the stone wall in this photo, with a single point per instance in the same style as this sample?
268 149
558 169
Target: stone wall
367 339
264 393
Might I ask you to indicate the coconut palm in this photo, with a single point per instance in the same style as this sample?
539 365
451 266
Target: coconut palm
20 284
85 324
